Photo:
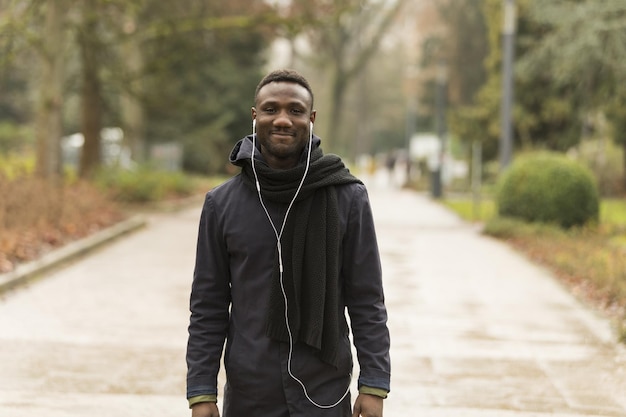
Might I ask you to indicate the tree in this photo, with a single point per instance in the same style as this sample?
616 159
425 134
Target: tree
583 49
464 49
180 68
343 36
132 88
48 127
202 62
49 41
545 113
16 70
460 49
91 89
29 27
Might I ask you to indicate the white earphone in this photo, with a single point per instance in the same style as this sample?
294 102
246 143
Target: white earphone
279 234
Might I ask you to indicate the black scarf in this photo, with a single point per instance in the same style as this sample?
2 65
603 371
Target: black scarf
310 245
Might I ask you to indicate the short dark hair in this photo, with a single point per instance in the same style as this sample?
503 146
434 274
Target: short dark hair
284 75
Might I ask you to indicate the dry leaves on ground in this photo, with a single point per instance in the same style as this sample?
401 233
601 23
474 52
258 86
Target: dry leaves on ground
36 217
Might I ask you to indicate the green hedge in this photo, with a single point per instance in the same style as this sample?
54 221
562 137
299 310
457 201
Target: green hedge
143 184
549 188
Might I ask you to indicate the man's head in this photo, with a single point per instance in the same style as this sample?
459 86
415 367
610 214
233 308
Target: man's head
284 75
283 113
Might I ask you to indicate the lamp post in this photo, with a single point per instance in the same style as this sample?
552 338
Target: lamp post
440 106
508 42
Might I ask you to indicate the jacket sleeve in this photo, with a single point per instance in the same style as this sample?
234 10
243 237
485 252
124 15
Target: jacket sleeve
209 305
364 294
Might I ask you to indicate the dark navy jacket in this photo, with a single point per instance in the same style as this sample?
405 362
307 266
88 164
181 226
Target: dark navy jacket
234 263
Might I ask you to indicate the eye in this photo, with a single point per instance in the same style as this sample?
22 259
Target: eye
297 111
269 110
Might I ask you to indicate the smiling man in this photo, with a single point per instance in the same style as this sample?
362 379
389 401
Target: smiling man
283 114
285 249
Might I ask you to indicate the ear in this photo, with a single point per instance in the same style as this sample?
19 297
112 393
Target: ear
313 114
253 112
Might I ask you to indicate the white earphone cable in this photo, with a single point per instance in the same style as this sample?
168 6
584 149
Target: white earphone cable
279 235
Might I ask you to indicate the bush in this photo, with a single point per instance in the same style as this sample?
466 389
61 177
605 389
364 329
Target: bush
605 160
144 184
549 188
14 138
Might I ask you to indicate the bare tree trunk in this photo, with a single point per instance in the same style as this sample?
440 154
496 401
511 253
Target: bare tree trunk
346 70
49 119
624 166
91 96
132 108
335 112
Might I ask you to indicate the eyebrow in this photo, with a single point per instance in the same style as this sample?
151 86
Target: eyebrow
293 102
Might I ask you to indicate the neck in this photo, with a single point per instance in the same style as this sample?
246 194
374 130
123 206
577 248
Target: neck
280 164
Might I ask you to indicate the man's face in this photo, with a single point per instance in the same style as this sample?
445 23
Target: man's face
283 113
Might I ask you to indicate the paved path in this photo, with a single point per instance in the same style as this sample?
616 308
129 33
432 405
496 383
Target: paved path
476 329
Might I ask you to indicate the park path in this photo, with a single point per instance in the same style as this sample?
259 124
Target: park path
106 335
477 330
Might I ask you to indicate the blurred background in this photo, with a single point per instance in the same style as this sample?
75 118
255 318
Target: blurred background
126 82
103 101
511 113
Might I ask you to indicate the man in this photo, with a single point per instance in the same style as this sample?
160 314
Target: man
284 248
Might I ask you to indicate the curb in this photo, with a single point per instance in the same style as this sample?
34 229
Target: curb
30 271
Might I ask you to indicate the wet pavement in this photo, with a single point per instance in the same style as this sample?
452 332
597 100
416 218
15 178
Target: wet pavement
476 329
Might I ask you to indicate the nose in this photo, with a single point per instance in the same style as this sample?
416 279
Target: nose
282 119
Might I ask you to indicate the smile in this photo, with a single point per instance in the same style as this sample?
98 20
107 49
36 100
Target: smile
282 134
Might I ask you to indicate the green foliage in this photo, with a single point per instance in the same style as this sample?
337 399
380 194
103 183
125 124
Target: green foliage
200 83
13 137
14 104
143 185
605 159
465 54
613 212
582 42
469 210
344 37
577 51
509 227
12 166
549 188
548 113
163 71
612 215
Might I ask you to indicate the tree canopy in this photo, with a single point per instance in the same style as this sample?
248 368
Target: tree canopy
569 74
184 71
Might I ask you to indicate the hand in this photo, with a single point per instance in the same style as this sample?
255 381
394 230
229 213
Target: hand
205 410
368 406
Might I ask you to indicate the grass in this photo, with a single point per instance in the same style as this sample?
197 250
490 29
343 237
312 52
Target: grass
613 211
473 211
590 260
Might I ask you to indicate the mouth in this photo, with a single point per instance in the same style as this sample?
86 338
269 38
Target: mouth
282 134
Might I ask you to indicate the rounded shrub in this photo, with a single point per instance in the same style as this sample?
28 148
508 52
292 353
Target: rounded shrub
549 188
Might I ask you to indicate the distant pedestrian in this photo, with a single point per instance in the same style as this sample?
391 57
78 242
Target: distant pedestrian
390 162
284 249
